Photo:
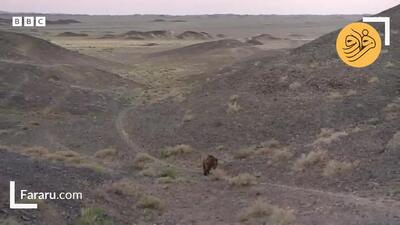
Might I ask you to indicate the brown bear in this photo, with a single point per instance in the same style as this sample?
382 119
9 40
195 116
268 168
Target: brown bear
209 163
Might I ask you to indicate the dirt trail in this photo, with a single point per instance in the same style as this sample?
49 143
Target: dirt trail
388 206
120 126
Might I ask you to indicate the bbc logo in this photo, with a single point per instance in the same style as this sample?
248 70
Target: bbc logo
29 21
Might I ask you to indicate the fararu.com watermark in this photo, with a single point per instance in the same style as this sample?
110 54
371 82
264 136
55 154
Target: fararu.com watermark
32 196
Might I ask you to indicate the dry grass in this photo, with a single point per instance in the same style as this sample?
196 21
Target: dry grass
128 188
37 151
335 95
281 155
166 180
124 187
373 80
392 110
271 148
243 179
142 160
269 214
106 153
151 167
187 117
313 158
245 153
177 150
334 168
68 157
91 216
151 202
9 221
233 105
327 136
394 143
219 174
92 166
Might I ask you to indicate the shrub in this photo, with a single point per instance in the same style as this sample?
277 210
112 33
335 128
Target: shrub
168 172
272 143
233 105
282 216
245 153
105 153
219 174
327 136
166 180
281 155
273 214
243 179
92 166
149 172
257 209
334 168
150 202
142 160
124 187
176 150
394 143
187 117
91 216
313 158
36 151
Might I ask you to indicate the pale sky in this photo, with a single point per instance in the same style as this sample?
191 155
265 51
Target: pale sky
184 7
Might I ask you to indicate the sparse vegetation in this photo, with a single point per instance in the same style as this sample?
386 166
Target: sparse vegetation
233 105
169 172
394 143
245 152
166 180
280 155
67 157
219 174
142 160
313 158
92 166
93 216
151 202
243 179
373 80
124 187
105 153
36 151
181 149
334 168
127 188
9 221
327 136
392 110
261 210
187 117
271 148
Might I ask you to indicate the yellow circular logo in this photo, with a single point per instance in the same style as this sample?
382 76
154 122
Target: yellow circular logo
358 44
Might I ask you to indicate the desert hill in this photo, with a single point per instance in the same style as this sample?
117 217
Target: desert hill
194 35
204 48
40 80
